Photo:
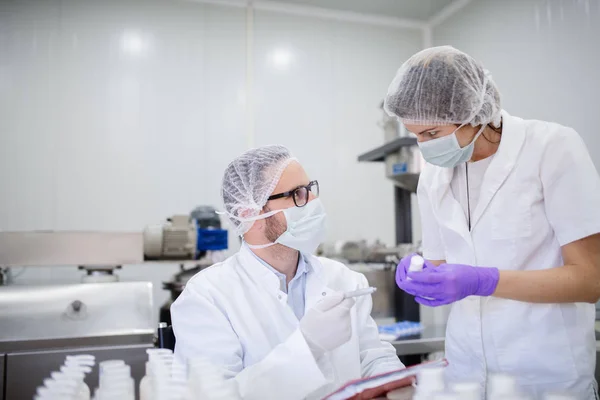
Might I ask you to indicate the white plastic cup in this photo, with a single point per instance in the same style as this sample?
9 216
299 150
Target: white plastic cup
416 263
467 390
430 381
502 385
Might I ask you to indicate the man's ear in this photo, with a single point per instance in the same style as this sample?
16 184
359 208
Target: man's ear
257 225
245 213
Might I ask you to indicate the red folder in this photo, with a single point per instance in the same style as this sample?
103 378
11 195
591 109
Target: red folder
379 385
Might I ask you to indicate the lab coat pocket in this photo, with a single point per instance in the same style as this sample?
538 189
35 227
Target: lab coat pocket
533 344
511 218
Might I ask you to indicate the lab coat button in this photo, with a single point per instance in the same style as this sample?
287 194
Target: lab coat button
324 294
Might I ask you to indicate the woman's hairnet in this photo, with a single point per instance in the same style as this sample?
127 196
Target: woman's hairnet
248 182
443 86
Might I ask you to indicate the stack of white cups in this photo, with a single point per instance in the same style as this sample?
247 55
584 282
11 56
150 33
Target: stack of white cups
168 380
76 367
146 384
57 389
69 382
157 382
115 381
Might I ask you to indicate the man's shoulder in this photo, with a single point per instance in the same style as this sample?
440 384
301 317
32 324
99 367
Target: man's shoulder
221 273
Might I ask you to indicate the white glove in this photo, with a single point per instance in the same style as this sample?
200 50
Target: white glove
328 324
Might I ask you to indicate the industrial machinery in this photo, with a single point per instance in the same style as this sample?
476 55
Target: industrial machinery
185 237
402 158
182 238
403 165
42 324
101 316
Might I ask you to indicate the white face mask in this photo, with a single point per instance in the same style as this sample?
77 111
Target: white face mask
305 227
446 152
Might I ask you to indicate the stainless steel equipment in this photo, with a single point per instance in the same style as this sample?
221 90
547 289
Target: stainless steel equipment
50 248
75 311
39 325
380 276
403 166
431 340
2 363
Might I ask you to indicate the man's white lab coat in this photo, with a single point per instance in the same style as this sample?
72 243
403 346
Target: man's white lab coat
235 315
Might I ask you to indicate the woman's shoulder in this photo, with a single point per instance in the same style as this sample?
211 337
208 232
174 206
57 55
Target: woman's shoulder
548 133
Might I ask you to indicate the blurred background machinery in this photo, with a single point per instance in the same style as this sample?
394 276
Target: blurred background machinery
185 237
100 316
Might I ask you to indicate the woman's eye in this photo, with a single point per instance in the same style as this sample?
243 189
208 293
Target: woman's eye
431 133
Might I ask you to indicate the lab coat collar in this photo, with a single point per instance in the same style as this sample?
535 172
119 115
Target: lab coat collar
447 209
265 277
513 137
257 272
316 280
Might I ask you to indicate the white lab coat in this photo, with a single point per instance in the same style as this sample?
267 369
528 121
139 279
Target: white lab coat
235 314
541 191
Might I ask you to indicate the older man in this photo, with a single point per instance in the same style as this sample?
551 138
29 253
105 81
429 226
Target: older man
273 316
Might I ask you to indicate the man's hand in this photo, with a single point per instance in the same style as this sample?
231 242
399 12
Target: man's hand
328 324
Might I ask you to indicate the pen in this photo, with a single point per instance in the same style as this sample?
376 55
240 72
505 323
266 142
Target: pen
359 292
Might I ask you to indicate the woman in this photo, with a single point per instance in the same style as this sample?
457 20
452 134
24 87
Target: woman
510 213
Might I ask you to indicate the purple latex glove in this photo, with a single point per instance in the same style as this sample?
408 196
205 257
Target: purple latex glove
449 283
402 268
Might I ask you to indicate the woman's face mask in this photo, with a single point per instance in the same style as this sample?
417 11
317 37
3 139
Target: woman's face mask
446 151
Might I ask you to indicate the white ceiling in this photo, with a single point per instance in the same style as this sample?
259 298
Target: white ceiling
406 9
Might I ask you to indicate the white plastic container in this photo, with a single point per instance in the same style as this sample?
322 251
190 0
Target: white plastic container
416 263
467 390
503 387
146 384
62 392
430 383
115 381
66 388
82 359
77 373
83 391
159 382
77 366
125 386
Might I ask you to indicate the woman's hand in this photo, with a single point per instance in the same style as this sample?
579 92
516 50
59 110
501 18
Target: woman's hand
402 268
449 283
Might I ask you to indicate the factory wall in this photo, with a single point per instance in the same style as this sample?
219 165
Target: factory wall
117 114
543 54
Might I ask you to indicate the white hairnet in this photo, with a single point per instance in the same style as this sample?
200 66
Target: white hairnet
248 182
443 86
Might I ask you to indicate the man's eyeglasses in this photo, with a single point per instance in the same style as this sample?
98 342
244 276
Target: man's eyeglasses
300 194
